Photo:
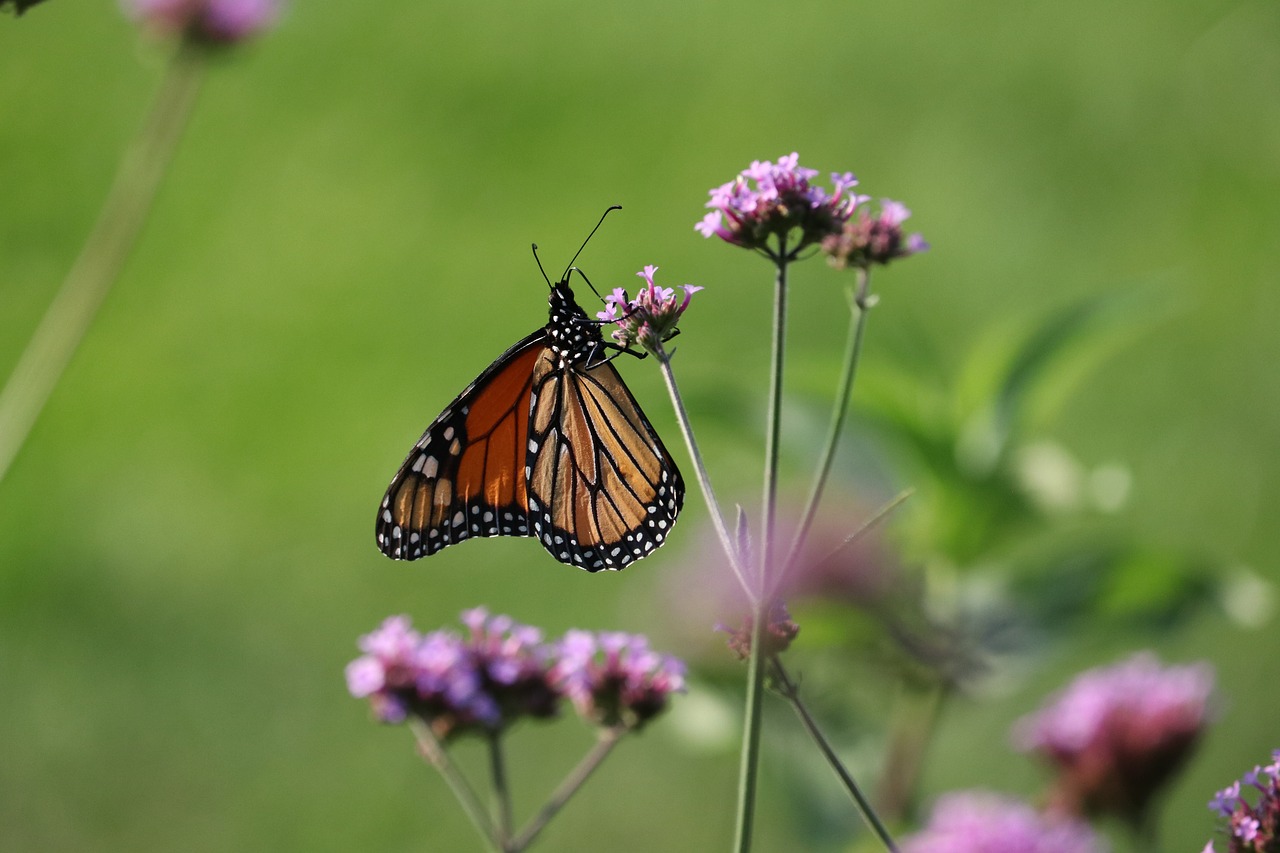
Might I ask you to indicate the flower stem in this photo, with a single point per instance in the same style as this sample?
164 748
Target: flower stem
107 248
704 481
791 693
749 762
501 791
434 752
840 409
915 718
773 427
608 740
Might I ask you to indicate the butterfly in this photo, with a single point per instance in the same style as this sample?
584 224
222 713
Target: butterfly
547 442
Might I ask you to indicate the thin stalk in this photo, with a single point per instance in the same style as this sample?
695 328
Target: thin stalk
704 481
914 721
114 234
791 693
501 792
773 427
608 740
433 750
839 411
749 761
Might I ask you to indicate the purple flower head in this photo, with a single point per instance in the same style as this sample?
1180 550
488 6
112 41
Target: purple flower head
1252 828
456 686
984 822
204 21
615 679
866 239
512 664
1118 734
650 318
778 201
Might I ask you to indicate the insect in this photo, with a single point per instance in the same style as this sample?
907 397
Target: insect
547 442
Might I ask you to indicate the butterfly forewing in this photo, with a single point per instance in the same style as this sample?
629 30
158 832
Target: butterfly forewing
547 442
466 476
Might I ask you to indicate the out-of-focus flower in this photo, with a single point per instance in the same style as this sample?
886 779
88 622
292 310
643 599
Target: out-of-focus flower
779 631
1118 734
615 679
513 664
984 822
205 21
1253 828
503 671
651 317
867 239
776 200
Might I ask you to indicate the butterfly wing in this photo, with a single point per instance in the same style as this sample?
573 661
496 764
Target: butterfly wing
466 476
603 490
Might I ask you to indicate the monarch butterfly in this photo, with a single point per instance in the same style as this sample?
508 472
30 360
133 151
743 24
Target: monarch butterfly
547 442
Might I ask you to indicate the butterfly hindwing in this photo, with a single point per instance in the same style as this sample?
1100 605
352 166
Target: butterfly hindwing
603 491
465 476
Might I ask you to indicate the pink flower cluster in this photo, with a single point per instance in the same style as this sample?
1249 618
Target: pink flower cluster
1117 734
1253 828
615 679
502 671
651 317
984 822
867 238
211 21
777 200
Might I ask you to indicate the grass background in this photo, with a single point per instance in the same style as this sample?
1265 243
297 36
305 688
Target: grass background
342 243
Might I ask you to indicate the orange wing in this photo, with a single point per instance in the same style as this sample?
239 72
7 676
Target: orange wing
466 476
603 490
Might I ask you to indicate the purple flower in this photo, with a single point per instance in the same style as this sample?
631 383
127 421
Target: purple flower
776 200
866 239
1118 734
615 679
651 317
206 21
984 822
1253 828
454 685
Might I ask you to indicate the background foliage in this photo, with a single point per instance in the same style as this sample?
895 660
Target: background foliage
186 549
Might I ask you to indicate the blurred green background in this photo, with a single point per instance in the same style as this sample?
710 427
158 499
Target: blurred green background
342 243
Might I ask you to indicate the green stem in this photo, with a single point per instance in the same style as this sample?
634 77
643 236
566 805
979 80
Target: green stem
434 752
791 693
608 740
501 792
915 719
749 761
774 421
107 248
704 481
839 411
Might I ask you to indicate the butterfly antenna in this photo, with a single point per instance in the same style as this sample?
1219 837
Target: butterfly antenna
610 209
538 261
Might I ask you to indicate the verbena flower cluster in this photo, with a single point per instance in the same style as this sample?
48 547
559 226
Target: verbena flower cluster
615 679
211 21
1117 734
1253 828
778 201
867 238
779 631
651 317
985 822
502 671
772 200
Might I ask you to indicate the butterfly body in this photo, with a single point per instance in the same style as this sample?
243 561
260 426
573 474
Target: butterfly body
547 442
